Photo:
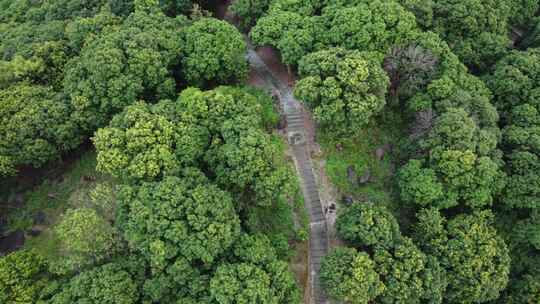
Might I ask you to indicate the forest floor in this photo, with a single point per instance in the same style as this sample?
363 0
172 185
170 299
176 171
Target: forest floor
44 195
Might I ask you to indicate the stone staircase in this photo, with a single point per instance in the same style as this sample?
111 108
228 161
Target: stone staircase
318 239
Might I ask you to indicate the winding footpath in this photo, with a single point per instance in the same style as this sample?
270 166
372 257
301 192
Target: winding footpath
318 240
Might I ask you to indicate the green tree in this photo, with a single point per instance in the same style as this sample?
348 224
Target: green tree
476 259
350 276
367 25
176 7
522 189
214 53
465 177
358 25
294 35
178 218
453 130
526 290
249 11
522 12
242 156
419 185
85 240
146 142
368 224
35 127
80 29
476 30
254 275
221 131
23 274
409 275
241 283
515 80
124 63
108 284
344 88
275 30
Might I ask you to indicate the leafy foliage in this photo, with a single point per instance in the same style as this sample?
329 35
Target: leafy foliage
110 283
45 133
476 29
514 80
350 276
368 224
214 53
145 142
362 25
249 11
476 259
86 239
406 274
344 88
178 218
220 130
124 63
22 276
254 275
409 275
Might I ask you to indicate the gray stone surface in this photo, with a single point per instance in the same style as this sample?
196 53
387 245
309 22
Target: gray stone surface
366 176
352 176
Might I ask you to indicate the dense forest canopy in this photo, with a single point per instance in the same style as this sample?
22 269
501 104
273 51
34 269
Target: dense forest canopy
197 200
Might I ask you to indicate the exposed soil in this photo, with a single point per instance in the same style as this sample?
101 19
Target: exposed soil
29 177
272 59
255 80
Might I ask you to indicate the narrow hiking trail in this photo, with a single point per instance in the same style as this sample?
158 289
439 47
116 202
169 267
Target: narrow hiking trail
299 145
298 129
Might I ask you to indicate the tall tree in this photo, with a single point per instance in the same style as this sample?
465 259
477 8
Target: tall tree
178 218
108 284
35 127
85 240
214 53
350 276
134 60
23 274
344 88
368 224
475 257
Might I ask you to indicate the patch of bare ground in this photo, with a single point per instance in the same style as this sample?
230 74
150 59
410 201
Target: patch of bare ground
272 59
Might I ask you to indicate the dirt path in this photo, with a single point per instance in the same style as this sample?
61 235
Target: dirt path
299 144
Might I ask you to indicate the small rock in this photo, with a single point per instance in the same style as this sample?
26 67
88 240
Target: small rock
89 178
34 232
352 176
392 169
332 207
40 218
382 150
347 200
366 176
282 124
19 199
379 154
